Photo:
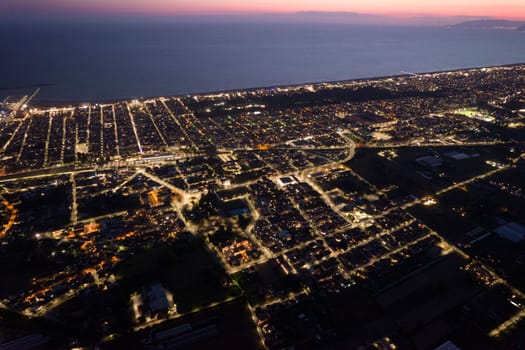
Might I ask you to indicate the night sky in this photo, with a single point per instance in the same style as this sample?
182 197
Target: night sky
509 9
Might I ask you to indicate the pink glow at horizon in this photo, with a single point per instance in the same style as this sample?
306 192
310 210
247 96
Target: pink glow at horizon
510 9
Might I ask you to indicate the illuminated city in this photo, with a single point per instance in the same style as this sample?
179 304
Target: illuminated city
384 213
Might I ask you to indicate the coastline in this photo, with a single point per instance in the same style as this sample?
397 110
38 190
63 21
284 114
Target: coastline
72 103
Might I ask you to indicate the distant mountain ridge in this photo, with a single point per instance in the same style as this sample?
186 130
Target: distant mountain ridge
381 19
492 24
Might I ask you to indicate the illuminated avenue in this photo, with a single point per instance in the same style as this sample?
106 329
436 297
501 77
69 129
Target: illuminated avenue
393 205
